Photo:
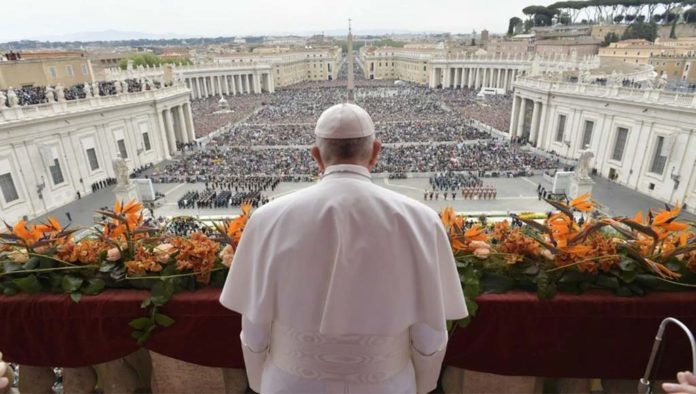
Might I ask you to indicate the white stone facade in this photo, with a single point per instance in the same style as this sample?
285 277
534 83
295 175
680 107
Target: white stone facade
438 69
643 139
50 152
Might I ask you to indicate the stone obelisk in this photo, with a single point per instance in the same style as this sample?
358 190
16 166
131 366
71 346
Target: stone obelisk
349 60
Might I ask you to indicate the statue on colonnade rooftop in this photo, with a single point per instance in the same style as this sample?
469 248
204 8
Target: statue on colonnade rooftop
60 93
50 94
12 99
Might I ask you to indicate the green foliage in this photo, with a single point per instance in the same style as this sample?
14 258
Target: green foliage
646 31
143 327
528 24
513 25
150 59
690 15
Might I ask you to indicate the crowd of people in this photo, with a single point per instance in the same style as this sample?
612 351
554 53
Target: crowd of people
492 110
230 192
102 184
446 130
207 116
32 95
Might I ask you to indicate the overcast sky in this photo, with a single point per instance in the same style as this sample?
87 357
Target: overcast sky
25 19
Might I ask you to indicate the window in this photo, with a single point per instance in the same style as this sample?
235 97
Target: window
69 70
83 67
619 144
56 172
587 136
92 157
659 157
561 128
54 73
146 142
122 148
9 191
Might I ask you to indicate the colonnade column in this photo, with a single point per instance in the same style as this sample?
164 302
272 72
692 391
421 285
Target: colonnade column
520 121
169 126
497 85
514 115
166 153
226 84
205 87
233 83
533 132
541 134
257 83
198 87
471 77
183 126
189 122
219 85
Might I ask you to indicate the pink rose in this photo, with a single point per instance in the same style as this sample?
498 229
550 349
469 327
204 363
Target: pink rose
113 255
227 255
19 256
163 252
547 254
479 245
482 253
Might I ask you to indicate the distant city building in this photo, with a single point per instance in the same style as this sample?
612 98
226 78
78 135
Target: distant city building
26 69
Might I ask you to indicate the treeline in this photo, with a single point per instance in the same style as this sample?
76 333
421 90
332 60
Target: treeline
150 59
604 12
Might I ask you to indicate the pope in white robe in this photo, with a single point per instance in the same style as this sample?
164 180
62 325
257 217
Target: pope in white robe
344 286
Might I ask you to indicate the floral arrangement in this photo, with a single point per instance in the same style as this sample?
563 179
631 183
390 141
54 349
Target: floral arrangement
628 256
122 252
561 253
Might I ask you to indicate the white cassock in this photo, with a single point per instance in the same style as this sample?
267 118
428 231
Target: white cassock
344 287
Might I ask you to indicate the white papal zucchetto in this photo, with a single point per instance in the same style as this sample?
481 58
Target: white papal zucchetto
344 121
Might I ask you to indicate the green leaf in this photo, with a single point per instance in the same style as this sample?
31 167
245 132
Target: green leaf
146 302
627 276
9 291
107 267
608 282
76 297
137 334
71 283
464 322
31 264
163 320
161 292
9 267
495 283
140 323
94 286
471 306
28 284
576 276
531 270
628 265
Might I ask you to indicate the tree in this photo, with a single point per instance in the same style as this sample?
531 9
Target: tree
528 24
657 18
640 18
669 17
542 20
610 38
690 15
618 18
630 18
150 59
564 19
513 25
646 31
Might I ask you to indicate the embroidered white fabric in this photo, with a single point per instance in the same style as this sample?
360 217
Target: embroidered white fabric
365 359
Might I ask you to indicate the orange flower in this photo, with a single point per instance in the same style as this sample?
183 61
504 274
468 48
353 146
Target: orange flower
197 254
86 251
142 263
582 204
476 233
